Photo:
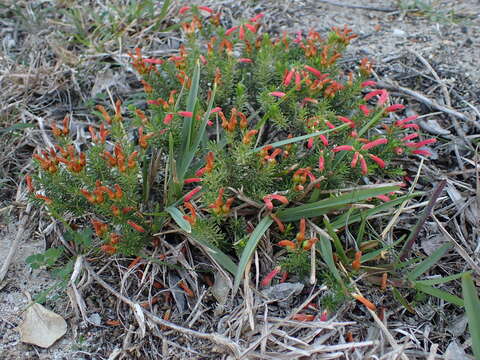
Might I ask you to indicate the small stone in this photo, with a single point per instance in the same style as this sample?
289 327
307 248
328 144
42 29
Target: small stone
399 33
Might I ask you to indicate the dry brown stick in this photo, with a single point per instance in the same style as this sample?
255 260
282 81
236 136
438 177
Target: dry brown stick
14 245
462 252
214 337
427 101
421 221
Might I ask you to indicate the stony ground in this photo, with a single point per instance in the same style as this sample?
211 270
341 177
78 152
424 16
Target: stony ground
56 58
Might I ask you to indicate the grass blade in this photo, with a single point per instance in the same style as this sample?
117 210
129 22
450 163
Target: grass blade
327 256
336 241
428 262
439 294
472 307
297 138
321 207
344 220
247 252
401 299
443 279
188 122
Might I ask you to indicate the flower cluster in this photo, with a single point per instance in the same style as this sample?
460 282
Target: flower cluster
236 126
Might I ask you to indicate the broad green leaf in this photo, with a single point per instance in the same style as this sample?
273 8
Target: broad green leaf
472 308
439 294
321 207
177 216
250 247
220 257
428 262
442 279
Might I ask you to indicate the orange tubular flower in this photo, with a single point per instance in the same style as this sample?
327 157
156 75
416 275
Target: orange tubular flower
136 226
105 114
131 160
365 302
142 139
279 223
109 249
99 227
248 136
192 218
118 191
288 244
28 180
301 234
356 263
47 200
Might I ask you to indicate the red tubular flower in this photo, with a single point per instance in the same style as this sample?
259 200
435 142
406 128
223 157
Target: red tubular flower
245 60
136 226
395 107
368 83
231 30
379 161
241 33
374 143
402 122
268 200
312 70
422 143
310 100
192 180
277 93
363 165
324 316
410 137
207 9
346 120
257 17
216 110
364 108
288 77
268 279
384 198
383 98
184 9
321 162
153 61
354 162
191 194
422 152
343 148
310 143
168 119
185 113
